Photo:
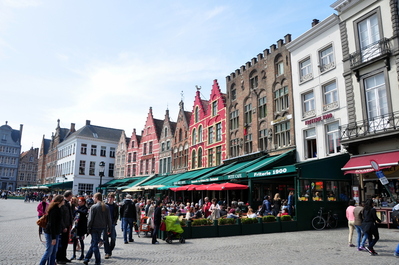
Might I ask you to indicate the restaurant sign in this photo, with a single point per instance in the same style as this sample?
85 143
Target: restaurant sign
273 172
206 180
235 176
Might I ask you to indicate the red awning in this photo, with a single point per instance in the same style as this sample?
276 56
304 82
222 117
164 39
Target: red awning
361 164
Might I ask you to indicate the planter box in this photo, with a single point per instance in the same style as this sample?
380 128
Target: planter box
273 227
289 226
229 230
250 229
204 231
187 232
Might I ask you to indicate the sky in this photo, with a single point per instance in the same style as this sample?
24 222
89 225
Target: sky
110 61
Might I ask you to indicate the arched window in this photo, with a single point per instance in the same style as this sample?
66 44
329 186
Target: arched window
200 134
196 114
180 135
200 157
194 137
166 132
193 159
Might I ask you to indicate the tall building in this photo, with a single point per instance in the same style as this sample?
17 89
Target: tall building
133 154
165 141
27 171
260 104
10 149
120 159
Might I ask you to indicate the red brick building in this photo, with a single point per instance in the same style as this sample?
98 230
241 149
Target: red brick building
180 142
132 162
165 152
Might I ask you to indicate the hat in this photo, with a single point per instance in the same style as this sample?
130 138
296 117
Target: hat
128 196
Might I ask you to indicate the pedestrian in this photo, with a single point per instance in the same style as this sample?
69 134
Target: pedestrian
369 226
41 210
129 217
351 220
80 228
99 220
276 204
157 221
109 240
67 219
357 212
52 230
291 203
266 206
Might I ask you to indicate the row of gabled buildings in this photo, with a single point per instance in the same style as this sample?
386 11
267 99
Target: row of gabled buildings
314 99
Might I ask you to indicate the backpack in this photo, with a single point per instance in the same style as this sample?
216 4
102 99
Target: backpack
42 222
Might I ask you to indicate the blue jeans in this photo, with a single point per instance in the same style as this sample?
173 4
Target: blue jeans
359 235
127 228
51 251
109 240
95 239
397 249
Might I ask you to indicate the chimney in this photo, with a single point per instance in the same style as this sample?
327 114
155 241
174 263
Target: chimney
287 38
72 128
280 43
87 122
315 22
20 132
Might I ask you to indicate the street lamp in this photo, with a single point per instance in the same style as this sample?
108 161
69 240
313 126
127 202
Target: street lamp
102 168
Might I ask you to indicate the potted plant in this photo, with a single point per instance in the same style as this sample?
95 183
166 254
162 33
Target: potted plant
270 225
250 226
203 227
228 227
287 224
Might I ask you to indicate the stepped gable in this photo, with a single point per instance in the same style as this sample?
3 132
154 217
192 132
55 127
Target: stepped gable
158 127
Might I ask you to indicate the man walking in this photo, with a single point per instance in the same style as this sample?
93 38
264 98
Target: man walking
66 222
109 240
99 220
129 216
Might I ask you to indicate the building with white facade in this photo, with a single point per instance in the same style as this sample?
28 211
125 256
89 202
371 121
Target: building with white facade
318 90
80 154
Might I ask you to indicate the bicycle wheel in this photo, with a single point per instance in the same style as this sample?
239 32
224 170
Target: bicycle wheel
332 223
318 223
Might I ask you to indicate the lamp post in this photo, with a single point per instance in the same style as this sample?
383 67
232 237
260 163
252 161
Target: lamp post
102 168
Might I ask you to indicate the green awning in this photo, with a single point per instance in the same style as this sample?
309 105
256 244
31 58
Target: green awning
277 171
186 178
286 158
166 187
328 168
130 183
67 185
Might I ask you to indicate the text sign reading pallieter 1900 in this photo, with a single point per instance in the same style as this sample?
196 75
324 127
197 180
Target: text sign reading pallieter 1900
272 172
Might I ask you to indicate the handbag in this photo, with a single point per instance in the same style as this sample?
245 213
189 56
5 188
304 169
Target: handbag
42 222
162 226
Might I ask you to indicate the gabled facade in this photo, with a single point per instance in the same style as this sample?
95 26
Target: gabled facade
27 170
10 149
120 157
369 33
81 153
132 163
149 146
197 133
260 104
319 90
180 144
165 151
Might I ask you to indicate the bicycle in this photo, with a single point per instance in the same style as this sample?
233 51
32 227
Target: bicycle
319 222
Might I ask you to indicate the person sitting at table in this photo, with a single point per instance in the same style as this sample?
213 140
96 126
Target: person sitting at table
223 211
232 214
250 213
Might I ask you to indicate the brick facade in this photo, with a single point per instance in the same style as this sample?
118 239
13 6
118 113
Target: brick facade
180 144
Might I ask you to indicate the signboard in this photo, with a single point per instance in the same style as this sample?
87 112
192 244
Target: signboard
206 180
235 176
381 177
273 172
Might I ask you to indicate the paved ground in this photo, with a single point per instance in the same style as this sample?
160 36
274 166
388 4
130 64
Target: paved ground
19 244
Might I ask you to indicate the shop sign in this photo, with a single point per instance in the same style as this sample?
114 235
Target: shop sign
236 176
180 182
320 118
281 119
205 180
273 172
381 177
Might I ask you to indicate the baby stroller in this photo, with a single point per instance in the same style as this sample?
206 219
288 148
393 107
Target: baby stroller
173 229
145 225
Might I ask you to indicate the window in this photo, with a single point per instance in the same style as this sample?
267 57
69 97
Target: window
376 102
84 188
92 168
103 151
234 120
144 148
248 143
263 139
163 147
262 108
196 114
193 159
82 166
233 92
326 59
22 176
141 167
308 104
93 151
200 134
112 152
194 137
218 155
83 149
330 96
111 169
214 108
132 144
234 148
280 68
129 158
147 165
248 113
369 36
150 147
253 82
134 170
210 135
281 99
134 156
31 159
310 143
305 73
210 157
218 132
180 135
282 134
128 170
333 140
199 157
153 165
166 132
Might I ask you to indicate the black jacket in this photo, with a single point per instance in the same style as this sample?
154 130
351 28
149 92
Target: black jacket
128 210
114 211
54 222
157 216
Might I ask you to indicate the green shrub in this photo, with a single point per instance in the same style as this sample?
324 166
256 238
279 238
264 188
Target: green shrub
269 219
249 220
183 222
201 221
226 221
285 218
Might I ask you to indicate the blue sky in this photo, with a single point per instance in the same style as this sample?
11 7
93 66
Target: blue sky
109 61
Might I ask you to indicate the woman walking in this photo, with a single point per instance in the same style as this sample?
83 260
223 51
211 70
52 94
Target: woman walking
52 230
79 229
41 210
369 226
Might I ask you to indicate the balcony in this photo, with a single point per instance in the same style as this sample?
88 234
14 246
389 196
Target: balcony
370 127
373 52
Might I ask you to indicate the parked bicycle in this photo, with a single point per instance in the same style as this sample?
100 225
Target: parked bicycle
324 220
